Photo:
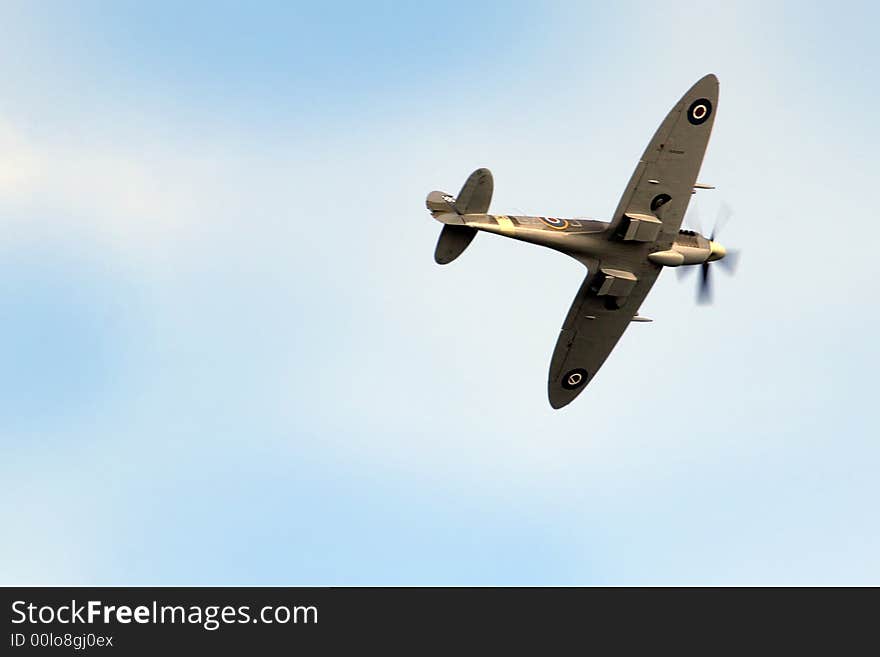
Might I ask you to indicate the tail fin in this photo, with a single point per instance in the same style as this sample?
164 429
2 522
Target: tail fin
474 198
476 194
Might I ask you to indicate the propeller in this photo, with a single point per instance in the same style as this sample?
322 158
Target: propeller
693 218
728 259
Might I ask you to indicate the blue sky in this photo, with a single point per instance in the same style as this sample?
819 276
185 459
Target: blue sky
229 358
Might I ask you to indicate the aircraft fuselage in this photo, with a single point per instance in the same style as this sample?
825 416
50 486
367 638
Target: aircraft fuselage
589 238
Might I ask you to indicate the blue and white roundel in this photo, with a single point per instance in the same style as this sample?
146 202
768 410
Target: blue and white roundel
558 224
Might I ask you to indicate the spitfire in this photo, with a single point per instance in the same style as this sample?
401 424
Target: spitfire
623 257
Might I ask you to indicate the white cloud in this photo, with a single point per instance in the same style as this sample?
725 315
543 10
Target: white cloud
125 198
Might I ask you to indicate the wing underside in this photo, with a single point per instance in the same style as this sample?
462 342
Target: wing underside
647 219
662 183
590 332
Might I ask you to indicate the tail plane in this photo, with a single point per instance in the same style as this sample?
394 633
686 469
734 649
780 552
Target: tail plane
474 198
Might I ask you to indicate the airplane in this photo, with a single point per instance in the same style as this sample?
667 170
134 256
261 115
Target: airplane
623 257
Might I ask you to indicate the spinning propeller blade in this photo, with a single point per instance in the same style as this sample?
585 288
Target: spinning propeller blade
728 261
683 272
724 214
693 218
704 290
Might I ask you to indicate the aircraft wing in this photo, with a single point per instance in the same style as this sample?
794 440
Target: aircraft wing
590 332
647 219
665 176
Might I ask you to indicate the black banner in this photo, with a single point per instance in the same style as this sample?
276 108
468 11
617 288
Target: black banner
132 620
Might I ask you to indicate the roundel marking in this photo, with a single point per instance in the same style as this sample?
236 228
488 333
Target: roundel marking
574 379
660 200
699 111
558 224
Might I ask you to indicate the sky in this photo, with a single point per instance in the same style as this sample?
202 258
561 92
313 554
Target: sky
228 356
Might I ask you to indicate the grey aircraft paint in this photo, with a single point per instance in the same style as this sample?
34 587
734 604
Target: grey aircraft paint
623 257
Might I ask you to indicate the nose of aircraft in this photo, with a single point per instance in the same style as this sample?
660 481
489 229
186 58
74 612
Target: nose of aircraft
716 251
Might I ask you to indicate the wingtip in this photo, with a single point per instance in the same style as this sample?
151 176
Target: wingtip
706 86
556 399
710 79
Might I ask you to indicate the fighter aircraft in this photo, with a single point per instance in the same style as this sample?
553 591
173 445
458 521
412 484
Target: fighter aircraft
624 256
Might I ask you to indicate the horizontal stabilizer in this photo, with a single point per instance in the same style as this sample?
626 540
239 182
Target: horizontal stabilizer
453 240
